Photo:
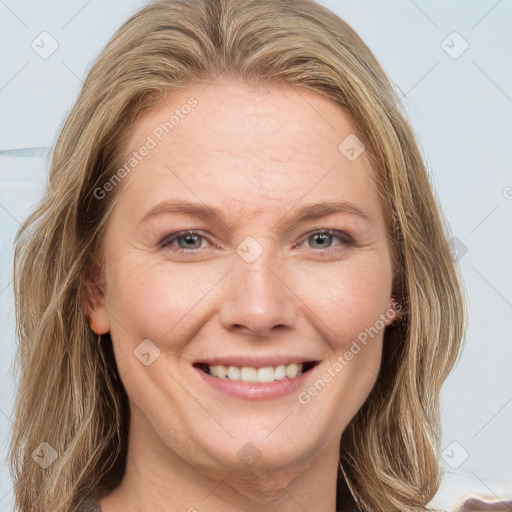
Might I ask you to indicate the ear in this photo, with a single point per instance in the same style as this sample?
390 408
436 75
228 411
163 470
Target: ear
93 300
395 310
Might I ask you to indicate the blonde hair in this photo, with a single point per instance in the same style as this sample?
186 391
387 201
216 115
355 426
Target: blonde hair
70 394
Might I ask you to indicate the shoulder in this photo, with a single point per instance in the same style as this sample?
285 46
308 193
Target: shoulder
475 504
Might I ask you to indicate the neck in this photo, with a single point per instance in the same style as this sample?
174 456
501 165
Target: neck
157 479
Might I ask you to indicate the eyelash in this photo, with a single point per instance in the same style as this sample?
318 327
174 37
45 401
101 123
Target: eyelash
345 239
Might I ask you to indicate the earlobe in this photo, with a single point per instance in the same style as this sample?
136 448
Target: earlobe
99 320
97 314
394 311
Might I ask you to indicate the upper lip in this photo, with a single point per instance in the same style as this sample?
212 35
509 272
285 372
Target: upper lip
255 361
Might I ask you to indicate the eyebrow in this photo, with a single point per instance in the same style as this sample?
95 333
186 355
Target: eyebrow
303 214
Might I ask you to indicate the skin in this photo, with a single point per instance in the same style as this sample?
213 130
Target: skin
257 155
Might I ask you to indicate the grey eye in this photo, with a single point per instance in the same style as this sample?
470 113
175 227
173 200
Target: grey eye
322 239
190 241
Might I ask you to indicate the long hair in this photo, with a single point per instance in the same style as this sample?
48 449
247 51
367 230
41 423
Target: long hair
71 409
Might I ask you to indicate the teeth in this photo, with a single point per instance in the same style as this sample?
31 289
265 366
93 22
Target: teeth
219 371
249 374
280 372
233 373
292 370
265 374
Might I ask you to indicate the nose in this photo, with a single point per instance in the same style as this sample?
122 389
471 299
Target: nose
257 298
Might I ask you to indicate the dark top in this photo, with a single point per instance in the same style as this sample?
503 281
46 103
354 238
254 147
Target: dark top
89 506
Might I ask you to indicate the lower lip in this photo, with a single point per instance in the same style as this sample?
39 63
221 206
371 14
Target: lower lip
254 390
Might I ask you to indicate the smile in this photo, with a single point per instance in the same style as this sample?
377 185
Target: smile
252 374
263 380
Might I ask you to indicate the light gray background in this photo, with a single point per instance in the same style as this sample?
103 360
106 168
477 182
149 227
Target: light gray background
460 104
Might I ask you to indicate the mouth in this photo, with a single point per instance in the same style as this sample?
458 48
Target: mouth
257 377
261 374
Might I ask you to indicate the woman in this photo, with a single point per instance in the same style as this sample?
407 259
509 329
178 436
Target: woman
237 292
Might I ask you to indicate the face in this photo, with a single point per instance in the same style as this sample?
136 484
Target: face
248 277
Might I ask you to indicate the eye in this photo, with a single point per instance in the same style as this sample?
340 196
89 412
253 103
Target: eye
192 241
323 239
187 241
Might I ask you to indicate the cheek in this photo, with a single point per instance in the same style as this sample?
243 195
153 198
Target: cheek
347 297
346 303
149 300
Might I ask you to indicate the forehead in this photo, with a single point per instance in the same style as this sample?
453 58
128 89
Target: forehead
251 148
